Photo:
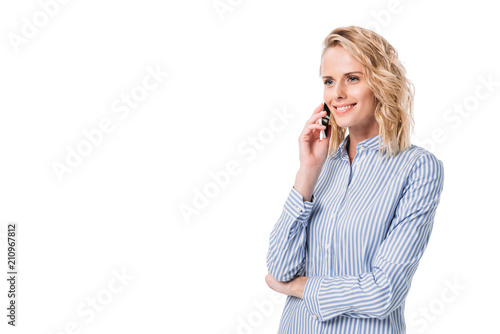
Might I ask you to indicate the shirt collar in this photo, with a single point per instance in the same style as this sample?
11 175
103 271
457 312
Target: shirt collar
369 144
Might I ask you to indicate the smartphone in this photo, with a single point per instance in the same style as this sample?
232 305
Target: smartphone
325 121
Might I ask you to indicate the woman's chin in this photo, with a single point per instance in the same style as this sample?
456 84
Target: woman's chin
342 125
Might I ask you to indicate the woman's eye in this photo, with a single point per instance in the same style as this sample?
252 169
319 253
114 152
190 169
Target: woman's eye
328 82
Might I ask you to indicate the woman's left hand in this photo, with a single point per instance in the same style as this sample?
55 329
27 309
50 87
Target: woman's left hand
294 287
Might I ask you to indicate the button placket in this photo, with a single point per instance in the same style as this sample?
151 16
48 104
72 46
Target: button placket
361 149
326 261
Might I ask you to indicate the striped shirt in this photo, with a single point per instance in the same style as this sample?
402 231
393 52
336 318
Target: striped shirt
359 240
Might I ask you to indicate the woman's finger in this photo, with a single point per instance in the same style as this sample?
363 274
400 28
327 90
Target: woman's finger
314 118
314 126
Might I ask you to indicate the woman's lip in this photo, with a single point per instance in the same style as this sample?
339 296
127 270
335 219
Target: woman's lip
344 111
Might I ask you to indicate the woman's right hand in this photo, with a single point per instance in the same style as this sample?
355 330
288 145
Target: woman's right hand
312 151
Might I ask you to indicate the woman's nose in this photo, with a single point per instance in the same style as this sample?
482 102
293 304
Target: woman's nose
339 92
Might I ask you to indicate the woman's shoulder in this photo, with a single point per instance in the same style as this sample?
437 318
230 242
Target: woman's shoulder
419 152
419 159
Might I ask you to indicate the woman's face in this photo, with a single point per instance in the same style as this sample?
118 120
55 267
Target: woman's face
345 84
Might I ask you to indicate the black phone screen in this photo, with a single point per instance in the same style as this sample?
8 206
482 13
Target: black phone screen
325 119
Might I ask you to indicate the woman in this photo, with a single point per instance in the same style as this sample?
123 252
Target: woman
360 213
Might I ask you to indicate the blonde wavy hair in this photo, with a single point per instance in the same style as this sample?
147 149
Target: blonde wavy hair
386 77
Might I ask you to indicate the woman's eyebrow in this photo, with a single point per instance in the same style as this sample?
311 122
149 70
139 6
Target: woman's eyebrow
329 77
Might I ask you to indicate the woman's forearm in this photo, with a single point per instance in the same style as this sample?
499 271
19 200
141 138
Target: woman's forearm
305 181
294 287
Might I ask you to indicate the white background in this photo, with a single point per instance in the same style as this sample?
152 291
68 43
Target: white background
120 208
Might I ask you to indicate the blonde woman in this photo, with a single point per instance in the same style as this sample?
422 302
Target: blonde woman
360 213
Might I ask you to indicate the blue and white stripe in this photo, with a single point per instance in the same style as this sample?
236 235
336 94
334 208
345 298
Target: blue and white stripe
359 240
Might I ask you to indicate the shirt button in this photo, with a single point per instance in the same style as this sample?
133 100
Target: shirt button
299 209
332 215
327 246
315 316
356 164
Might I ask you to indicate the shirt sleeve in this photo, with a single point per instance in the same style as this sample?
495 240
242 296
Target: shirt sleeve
377 293
287 242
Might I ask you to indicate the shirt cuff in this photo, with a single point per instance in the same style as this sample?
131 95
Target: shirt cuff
310 296
296 207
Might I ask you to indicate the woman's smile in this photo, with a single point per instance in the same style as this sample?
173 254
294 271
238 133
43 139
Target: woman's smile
343 108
